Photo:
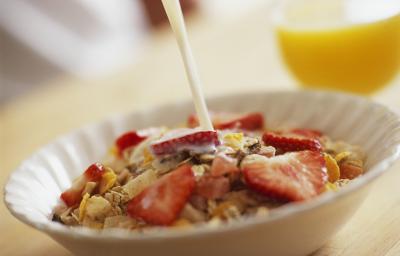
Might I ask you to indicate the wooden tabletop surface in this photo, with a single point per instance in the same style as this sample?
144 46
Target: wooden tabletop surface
233 56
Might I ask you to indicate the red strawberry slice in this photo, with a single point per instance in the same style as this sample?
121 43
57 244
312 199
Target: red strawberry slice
73 195
293 176
222 165
185 140
289 144
161 202
306 133
250 121
94 172
128 139
212 187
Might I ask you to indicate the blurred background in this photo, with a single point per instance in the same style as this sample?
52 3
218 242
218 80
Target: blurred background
43 40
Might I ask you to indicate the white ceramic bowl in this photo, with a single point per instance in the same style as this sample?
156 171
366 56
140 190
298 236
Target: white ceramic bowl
296 229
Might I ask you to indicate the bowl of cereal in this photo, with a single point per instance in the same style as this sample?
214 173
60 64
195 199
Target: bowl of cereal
276 166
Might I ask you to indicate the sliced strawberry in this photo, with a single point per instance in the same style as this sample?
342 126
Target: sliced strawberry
305 133
249 121
187 139
293 176
128 139
212 187
161 202
289 144
222 165
94 172
73 195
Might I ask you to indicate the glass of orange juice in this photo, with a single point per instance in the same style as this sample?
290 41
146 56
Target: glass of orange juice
347 45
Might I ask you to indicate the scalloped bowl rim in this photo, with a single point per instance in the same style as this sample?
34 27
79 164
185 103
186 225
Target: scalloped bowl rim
279 214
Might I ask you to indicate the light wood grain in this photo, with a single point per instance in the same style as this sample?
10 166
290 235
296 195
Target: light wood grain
232 56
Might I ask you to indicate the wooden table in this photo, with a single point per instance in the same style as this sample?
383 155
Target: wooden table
233 56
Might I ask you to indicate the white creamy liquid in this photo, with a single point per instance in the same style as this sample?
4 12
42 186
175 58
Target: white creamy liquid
175 16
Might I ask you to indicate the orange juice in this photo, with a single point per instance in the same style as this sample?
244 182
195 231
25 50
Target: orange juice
361 57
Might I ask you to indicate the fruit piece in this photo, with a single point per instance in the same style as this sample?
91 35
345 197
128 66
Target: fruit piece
295 176
222 165
221 121
127 140
94 172
350 171
212 187
108 180
185 139
289 144
161 202
306 133
332 168
73 195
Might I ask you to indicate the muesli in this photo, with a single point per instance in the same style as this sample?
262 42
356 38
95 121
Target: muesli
185 177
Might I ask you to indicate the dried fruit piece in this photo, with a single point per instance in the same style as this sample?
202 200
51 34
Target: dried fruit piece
332 168
185 139
293 176
350 171
290 144
161 202
250 121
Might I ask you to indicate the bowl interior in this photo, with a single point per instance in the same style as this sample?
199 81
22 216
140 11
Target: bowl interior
34 188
